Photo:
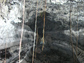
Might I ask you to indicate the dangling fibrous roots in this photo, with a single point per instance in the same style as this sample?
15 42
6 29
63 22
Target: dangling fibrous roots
71 34
44 26
77 34
21 32
35 33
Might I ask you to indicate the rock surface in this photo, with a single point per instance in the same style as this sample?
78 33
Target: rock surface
57 27
11 29
57 24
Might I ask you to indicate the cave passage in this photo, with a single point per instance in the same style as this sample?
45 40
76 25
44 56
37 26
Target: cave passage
50 25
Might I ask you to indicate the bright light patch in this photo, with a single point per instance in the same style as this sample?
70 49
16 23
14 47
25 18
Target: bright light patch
58 1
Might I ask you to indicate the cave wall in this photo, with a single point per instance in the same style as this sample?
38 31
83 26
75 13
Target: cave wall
57 22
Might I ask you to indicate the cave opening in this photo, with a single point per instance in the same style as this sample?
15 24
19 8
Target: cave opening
50 24
49 55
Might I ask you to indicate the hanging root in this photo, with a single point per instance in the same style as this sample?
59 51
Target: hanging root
44 26
77 34
35 34
21 32
36 42
5 54
71 36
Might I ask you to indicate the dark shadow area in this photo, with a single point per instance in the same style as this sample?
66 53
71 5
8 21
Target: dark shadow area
49 25
2 54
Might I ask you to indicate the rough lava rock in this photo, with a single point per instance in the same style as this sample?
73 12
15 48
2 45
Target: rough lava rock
57 29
